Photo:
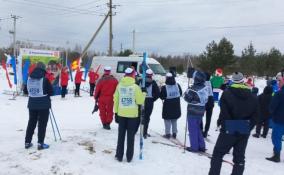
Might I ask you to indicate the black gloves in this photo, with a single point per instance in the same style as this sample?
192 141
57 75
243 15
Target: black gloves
144 89
116 118
96 108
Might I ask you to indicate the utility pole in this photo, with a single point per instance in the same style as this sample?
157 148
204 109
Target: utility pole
14 17
133 41
110 28
121 48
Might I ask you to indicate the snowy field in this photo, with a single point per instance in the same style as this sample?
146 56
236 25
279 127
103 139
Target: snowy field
80 130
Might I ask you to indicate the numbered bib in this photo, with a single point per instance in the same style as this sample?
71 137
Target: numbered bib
35 87
127 97
172 91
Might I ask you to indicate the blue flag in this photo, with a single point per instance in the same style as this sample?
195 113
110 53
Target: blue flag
14 65
87 67
26 71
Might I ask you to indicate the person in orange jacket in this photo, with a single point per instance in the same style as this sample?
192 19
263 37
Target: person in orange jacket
78 80
64 81
93 76
104 96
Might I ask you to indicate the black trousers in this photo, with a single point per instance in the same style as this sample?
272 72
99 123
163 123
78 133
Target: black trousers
92 88
223 145
148 111
129 126
209 112
77 89
63 91
265 125
39 117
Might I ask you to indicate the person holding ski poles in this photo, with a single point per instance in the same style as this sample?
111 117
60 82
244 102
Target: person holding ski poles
127 97
153 93
39 90
238 115
170 94
196 97
104 97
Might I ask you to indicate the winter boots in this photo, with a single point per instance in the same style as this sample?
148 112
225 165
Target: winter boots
274 158
28 145
42 146
167 136
256 135
106 126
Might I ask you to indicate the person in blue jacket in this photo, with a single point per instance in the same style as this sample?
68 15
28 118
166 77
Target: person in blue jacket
277 113
39 91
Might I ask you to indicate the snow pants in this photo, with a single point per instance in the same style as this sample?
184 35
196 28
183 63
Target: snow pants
63 91
106 109
92 88
129 126
195 134
77 89
265 125
170 124
223 145
216 96
39 117
148 111
277 134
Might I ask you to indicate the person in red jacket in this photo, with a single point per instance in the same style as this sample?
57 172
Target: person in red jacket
78 80
64 81
93 76
104 96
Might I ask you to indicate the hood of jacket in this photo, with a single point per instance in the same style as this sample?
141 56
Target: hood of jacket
38 73
127 81
240 91
170 81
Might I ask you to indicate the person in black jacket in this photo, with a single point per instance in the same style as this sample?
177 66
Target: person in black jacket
277 113
153 93
239 111
170 94
39 90
263 121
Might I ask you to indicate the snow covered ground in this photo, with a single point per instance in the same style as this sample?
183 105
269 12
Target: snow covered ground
80 130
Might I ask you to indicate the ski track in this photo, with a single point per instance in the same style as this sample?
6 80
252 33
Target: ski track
80 130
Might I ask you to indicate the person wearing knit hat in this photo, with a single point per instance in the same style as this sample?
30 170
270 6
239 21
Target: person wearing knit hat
196 97
153 93
238 115
127 97
170 94
39 103
104 97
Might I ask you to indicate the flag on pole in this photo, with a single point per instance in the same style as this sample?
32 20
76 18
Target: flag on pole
70 70
87 67
14 64
75 64
26 71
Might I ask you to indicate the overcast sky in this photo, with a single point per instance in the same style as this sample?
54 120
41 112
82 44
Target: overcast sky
163 26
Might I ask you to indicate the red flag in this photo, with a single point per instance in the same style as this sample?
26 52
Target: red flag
7 75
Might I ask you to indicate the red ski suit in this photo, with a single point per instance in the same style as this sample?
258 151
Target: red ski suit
104 94
93 77
64 78
50 76
78 77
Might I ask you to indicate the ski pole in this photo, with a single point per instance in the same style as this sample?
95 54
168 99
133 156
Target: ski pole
52 127
56 124
185 134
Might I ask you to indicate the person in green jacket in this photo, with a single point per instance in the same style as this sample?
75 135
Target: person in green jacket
217 81
127 97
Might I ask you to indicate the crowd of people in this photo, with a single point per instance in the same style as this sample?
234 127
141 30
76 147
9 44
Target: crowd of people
241 108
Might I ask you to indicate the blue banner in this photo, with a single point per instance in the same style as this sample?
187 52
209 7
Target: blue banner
26 71
14 65
87 67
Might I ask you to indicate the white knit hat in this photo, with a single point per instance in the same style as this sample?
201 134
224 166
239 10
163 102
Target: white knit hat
149 72
169 74
107 68
128 71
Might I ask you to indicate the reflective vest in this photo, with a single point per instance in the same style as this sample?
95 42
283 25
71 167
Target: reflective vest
201 96
35 87
172 91
149 91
